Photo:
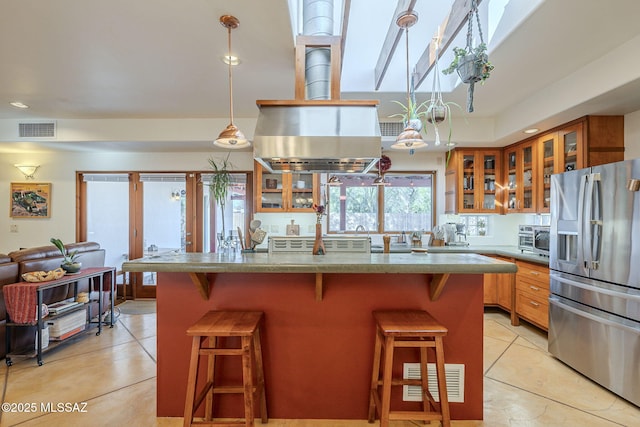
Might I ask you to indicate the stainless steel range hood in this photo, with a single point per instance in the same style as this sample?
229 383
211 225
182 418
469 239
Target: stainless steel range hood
317 136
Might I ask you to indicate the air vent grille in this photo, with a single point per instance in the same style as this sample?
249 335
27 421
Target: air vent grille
454 373
391 128
37 130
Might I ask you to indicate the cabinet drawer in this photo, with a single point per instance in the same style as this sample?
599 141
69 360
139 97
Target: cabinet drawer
533 287
533 308
537 274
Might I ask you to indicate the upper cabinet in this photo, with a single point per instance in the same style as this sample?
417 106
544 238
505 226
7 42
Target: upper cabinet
472 181
558 151
589 141
285 192
520 183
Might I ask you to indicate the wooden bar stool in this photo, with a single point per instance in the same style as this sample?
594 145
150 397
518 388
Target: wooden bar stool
205 332
407 328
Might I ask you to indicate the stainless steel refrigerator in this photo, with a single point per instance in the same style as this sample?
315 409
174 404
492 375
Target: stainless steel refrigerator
594 260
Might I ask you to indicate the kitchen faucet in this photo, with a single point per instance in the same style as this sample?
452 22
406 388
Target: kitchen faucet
360 228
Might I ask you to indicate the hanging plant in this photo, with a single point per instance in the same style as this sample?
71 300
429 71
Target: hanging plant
437 110
414 114
471 63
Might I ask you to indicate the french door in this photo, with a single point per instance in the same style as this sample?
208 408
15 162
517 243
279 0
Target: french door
135 214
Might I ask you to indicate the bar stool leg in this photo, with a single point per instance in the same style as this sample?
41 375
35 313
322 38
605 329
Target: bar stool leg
247 374
191 382
375 377
424 379
387 370
257 347
211 370
442 383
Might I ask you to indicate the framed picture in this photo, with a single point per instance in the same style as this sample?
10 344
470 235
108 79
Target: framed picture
30 200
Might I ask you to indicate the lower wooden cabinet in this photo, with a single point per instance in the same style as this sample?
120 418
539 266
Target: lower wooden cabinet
498 288
532 294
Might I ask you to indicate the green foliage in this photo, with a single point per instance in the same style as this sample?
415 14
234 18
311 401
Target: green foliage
481 59
219 185
69 257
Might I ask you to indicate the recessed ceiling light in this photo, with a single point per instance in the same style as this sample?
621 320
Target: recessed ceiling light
18 104
532 130
230 59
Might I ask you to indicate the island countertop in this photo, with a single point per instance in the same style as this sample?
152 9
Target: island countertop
344 262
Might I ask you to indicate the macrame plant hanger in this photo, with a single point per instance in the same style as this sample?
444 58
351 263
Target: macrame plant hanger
472 82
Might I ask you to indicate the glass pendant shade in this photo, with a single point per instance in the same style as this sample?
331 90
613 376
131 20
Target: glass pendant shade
334 180
231 137
409 139
380 181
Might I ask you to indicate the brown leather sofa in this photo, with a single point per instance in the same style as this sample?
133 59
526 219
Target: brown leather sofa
45 258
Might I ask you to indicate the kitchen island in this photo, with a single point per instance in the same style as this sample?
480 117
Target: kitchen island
319 332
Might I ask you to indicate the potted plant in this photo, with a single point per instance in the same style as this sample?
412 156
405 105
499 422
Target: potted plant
69 263
414 114
219 188
472 64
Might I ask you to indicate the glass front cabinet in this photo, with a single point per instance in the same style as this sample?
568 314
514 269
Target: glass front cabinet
520 164
477 187
558 152
285 192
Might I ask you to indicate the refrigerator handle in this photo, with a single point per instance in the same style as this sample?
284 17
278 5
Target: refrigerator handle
595 221
583 237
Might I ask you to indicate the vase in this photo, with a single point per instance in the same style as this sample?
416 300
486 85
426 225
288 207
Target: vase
318 244
71 267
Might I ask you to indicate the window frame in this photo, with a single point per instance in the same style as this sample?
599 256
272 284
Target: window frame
380 203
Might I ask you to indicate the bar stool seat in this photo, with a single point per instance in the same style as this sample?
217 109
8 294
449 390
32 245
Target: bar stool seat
206 333
415 329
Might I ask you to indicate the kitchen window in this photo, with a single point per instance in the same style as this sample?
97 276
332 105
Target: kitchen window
405 204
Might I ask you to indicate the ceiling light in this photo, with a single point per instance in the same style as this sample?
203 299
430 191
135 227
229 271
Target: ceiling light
334 180
231 60
231 136
410 138
532 130
27 170
18 104
380 180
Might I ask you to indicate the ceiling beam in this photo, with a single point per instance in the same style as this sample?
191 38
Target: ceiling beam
343 33
449 28
391 42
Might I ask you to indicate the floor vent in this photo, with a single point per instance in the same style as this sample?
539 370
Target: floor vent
391 128
455 382
37 130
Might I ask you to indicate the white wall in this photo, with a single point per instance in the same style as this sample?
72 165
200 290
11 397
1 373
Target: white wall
632 136
60 169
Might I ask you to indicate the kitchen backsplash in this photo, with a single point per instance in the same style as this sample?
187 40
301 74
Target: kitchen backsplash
501 229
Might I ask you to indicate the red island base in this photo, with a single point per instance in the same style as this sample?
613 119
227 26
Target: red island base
317 354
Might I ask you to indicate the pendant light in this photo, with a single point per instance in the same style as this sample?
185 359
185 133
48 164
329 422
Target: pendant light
231 136
410 138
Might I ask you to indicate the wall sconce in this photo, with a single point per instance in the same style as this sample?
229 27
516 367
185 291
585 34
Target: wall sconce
27 170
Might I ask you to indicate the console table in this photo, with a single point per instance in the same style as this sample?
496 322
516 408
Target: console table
24 301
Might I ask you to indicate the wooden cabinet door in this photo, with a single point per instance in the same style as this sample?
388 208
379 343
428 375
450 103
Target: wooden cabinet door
285 192
548 160
505 291
478 171
520 165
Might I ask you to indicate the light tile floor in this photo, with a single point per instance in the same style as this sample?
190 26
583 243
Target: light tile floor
115 375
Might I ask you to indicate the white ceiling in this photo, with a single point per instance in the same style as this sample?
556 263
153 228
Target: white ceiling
160 59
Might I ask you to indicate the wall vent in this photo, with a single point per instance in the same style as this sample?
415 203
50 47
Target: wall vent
37 130
391 128
454 372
